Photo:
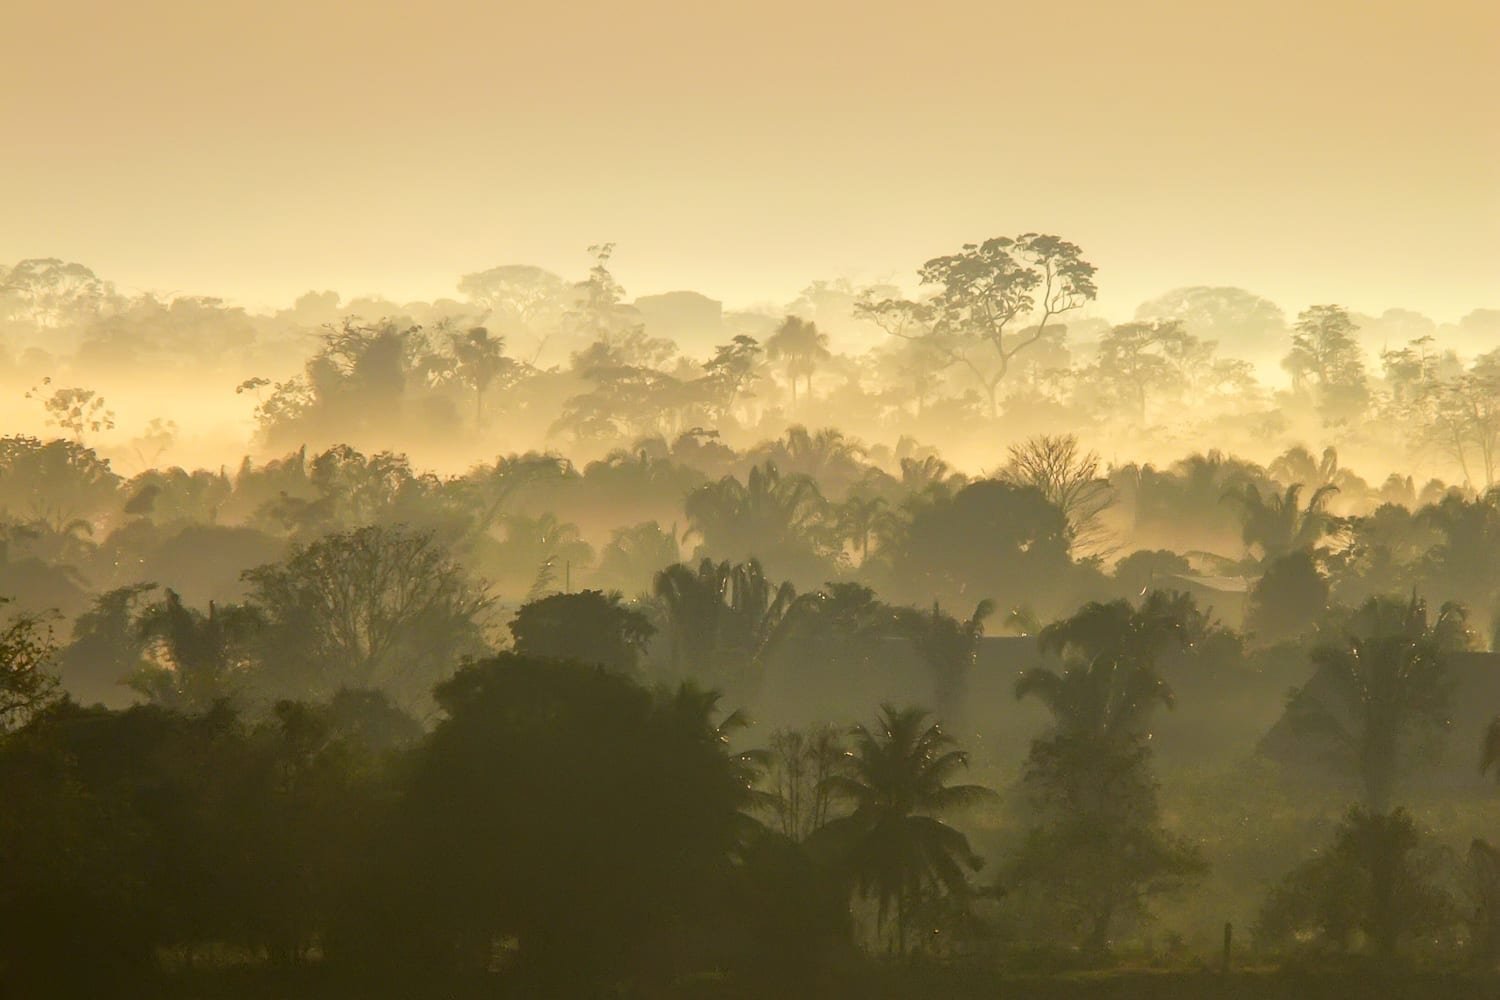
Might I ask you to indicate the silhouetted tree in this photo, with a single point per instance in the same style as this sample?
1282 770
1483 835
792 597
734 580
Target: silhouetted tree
572 811
374 607
1380 878
896 848
1326 359
1289 598
27 661
800 344
1386 674
1099 852
589 626
1068 477
1277 524
197 659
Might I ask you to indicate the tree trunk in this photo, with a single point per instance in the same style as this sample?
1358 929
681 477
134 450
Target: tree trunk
1097 942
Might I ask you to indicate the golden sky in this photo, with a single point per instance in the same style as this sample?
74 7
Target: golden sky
1324 150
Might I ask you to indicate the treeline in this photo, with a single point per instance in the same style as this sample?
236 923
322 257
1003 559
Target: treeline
1050 527
992 344
560 826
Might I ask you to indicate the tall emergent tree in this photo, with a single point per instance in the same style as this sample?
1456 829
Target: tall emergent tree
1327 362
982 297
802 346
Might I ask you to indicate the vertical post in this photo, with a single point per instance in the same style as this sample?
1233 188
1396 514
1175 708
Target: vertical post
568 576
1228 946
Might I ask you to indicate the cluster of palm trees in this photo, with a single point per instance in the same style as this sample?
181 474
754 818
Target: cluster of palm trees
876 804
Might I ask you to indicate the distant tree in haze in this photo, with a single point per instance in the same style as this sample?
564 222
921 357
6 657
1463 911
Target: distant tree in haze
720 616
524 304
599 313
1327 361
196 659
1137 364
363 383
56 482
1069 477
588 626
732 370
776 518
1298 465
1290 597
479 362
921 475
1240 321
1137 361
177 333
376 607
1460 416
635 553
77 411
1275 524
982 297
799 343
894 844
52 293
860 519
827 456
492 488
537 553
989 539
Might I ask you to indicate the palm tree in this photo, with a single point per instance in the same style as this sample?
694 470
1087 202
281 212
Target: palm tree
1278 524
769 515
799 342
693 601
488 488
197 655
896 848
721 615
917 476
1109 685
948 646
816 453
635 553
1386 672
478 359
859 519
1298 465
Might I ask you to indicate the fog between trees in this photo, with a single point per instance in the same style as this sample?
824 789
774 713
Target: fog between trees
548 638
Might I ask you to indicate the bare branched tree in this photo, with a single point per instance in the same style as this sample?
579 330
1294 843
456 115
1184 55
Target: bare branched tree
1069 477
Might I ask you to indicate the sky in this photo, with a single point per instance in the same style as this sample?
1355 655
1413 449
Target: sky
1317 151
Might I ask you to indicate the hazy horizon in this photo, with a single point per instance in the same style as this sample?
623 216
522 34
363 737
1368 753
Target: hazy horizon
1311 156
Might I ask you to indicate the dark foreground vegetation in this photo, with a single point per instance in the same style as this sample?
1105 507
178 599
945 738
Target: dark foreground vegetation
717 715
